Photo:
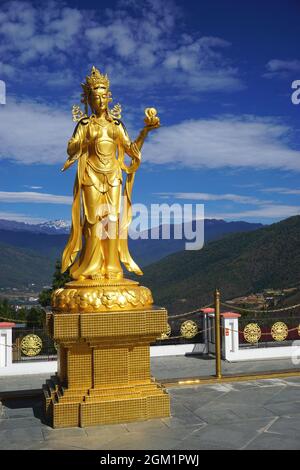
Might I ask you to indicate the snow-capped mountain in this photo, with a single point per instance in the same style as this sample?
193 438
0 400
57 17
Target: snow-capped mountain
58 226
50 227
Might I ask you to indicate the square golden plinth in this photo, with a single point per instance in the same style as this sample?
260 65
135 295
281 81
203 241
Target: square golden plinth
104 368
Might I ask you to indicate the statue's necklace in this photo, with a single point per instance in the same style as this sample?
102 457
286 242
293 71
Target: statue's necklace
101 123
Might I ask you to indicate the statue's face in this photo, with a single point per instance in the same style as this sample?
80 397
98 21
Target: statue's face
99 99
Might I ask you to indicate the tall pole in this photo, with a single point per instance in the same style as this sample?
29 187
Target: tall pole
218 334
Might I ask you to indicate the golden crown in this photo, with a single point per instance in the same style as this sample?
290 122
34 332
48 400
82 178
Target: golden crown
94 80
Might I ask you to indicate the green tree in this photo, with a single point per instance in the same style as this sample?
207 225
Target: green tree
45 297
20 314
59 280
35 316
6 310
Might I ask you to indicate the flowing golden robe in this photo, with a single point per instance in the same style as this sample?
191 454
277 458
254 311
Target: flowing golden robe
100 151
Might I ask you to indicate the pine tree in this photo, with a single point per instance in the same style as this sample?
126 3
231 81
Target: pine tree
59 280
6 310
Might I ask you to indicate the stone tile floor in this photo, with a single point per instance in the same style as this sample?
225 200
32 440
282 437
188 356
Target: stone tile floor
168 367
262 414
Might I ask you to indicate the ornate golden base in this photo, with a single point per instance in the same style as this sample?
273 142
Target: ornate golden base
104 368
92 295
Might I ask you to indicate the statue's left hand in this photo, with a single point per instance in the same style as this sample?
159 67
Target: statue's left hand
151 120
153 126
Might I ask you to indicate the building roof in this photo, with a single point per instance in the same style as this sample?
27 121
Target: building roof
7 324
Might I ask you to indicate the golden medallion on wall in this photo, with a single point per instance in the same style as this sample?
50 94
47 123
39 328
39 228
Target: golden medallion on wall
166 334
189 329
279 331
31 345
252 333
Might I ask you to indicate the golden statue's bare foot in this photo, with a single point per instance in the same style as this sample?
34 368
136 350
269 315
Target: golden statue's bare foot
111 274
97 276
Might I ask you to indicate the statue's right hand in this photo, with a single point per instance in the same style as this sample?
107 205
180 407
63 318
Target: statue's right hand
73 146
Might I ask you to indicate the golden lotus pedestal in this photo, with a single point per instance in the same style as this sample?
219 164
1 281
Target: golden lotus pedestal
104 355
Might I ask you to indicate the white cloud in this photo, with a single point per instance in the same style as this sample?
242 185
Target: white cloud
34 32
276 65
32 197
19 217
271 211
240 141
40 134
281 190
6 70
32 187
32 132
263 209
237 198
281 68
140 44
203 64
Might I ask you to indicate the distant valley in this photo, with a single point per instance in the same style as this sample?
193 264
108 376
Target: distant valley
29 252
238 264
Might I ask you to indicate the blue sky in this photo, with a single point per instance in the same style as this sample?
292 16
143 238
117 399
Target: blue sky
219 73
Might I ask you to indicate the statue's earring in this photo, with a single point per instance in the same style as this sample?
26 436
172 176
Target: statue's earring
85 102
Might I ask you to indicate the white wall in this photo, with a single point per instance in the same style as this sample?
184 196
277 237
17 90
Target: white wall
24 368
5 348
272 352
177 349
232 351
45 367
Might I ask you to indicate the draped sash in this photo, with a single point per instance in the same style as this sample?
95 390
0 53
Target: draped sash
126 218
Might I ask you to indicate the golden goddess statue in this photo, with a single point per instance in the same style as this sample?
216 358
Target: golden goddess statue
103 324
99 144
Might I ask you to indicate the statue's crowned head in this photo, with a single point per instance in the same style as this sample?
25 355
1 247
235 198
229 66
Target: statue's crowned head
95 84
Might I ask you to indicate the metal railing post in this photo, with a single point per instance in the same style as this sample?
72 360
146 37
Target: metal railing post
218 334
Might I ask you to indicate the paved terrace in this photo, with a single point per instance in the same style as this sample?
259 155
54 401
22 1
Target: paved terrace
261 414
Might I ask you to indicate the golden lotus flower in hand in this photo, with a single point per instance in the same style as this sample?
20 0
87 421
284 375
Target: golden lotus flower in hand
151 119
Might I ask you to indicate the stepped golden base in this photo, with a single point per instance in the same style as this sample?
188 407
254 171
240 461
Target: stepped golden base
104 368
66 408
